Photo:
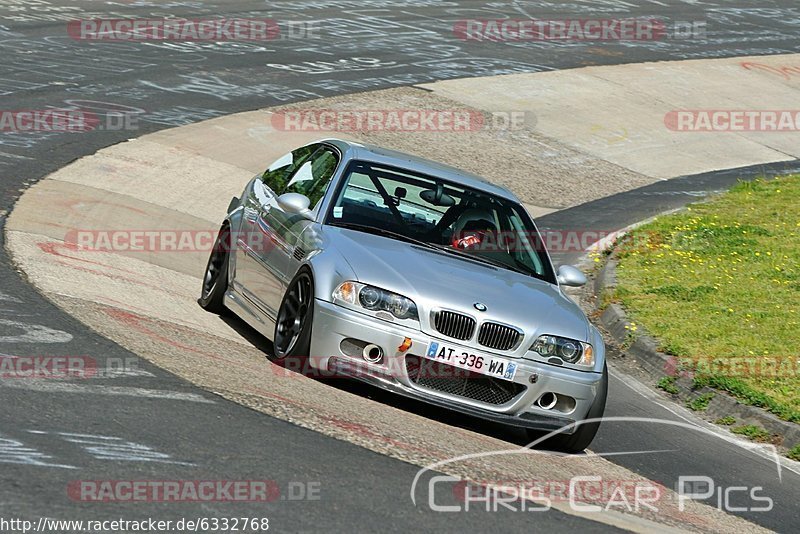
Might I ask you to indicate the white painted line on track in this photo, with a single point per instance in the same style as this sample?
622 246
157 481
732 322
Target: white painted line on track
9 298
122 373
768 452
50 386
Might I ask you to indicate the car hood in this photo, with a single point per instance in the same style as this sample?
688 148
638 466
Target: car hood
436 279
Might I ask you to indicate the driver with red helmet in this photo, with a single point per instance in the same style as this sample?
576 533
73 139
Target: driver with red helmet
472 229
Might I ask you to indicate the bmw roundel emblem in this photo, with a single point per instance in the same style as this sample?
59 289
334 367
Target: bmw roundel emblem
480 306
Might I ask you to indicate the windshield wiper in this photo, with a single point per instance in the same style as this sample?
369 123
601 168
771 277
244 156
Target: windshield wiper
385 233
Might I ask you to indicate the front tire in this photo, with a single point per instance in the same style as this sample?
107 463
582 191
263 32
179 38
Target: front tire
215 279
292 337
584 433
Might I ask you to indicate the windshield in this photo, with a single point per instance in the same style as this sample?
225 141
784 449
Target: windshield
408 206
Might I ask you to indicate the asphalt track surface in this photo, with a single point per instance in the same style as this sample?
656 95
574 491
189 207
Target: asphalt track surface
195 435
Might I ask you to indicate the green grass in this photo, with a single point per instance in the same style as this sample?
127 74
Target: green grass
700 404
667 383
794 453
727 420
756 433
719 286
607 296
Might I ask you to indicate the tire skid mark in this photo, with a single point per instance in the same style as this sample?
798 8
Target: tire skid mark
136 322
438 455
51 247
118 304
72 204
263 393
363 430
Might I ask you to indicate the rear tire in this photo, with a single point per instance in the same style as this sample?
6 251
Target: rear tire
584 433
215 279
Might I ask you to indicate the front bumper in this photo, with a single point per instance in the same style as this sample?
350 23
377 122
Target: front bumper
333 324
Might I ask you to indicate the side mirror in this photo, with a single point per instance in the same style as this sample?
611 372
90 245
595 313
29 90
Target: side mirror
568 275
295 204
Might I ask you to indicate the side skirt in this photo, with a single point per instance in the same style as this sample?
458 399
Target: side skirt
250 313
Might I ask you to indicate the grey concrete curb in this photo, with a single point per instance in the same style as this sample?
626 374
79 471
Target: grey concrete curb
644 348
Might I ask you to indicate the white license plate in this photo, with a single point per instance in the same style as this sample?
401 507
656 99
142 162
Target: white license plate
472 361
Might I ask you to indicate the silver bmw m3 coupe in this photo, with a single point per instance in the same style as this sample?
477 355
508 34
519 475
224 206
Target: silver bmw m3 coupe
415 277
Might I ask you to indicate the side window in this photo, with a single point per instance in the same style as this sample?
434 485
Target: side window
279 173
314 174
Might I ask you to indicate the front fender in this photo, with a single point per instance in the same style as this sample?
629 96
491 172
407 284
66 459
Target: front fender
599 345
329 269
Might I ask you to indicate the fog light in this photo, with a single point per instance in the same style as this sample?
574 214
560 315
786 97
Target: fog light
372 353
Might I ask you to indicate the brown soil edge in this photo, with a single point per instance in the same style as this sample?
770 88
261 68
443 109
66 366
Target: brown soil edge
643 349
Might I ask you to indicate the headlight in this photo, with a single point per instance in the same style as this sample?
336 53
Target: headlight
569 350
376 299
